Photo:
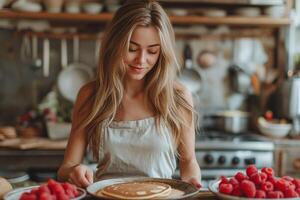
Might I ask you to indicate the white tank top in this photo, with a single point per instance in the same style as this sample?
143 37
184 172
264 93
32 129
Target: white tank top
136 148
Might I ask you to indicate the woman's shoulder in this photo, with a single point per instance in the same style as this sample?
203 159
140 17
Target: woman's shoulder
87 90
86 94
187 95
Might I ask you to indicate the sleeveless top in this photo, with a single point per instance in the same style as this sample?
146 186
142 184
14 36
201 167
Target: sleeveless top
136 148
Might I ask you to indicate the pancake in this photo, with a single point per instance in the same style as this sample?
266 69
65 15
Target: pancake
137 190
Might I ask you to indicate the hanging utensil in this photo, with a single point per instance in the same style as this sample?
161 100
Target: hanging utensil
36 62
46 57
64 53
189 77
74 76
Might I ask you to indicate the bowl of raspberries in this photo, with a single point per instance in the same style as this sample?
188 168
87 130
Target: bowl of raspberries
256 184
52 190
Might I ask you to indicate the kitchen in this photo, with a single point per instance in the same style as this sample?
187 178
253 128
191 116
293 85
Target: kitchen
239 60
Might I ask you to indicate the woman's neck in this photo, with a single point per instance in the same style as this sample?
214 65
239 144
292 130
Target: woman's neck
133 88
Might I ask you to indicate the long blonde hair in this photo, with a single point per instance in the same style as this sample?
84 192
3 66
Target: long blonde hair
167 102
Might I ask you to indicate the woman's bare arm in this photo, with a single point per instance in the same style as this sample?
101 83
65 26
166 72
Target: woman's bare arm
77 142
188 165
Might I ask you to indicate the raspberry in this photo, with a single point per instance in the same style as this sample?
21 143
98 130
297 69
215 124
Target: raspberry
290 193
291 185
298 191
281 185
263 177
288 178
267 186
234 182
225 188
296 181
237 191
272 179
268 170
260 194
224 180
251 169
255 178
240 176
28 196
275 194
248 188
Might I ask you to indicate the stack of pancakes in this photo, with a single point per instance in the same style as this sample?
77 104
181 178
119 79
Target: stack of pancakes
136 190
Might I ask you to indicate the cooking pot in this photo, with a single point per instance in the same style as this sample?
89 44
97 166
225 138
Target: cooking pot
288 102
234 121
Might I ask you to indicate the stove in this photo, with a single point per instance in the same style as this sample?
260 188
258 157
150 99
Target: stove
220 153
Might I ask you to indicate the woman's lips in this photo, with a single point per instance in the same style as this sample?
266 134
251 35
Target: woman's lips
137 69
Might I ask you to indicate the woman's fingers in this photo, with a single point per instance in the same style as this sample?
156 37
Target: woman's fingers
90 176
195 182
81 176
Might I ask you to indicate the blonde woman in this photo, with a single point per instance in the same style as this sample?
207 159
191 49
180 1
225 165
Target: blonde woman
135 117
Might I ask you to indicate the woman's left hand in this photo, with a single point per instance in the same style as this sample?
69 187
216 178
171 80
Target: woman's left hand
194 182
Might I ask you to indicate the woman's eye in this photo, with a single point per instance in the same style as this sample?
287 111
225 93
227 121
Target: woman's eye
152 52
132 50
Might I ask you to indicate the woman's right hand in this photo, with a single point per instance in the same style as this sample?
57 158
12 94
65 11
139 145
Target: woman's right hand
81 176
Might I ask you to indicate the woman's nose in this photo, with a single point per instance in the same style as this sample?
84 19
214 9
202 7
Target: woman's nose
142 57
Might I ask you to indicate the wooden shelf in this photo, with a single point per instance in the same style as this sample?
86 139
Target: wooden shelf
182 20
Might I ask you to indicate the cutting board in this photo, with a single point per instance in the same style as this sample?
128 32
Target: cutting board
33 143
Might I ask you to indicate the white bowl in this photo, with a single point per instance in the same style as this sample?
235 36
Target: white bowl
248 12
92 7
275 130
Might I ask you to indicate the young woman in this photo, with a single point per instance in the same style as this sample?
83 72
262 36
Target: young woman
135 117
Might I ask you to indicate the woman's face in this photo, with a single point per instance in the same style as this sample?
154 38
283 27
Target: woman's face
143 52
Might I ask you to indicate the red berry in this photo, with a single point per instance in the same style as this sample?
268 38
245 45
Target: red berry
281 185
251 169
268 170
290 193
234 182
260 194
296 181
237 191
240 176
275 194
267 186
226 188
288 178
298 191
224 180
263 177
255 178
269 115
248 188
28 196
272 179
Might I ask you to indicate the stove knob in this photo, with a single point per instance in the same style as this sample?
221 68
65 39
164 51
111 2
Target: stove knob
235 160
208 159
250 161
222 160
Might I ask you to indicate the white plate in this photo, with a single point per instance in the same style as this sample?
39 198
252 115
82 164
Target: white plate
214 188
180 189
16 194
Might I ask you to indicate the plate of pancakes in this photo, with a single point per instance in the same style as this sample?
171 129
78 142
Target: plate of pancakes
141 188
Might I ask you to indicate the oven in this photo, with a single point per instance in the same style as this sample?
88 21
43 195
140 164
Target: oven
220 153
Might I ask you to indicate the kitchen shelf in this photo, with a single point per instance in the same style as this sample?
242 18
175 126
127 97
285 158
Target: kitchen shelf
262 21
